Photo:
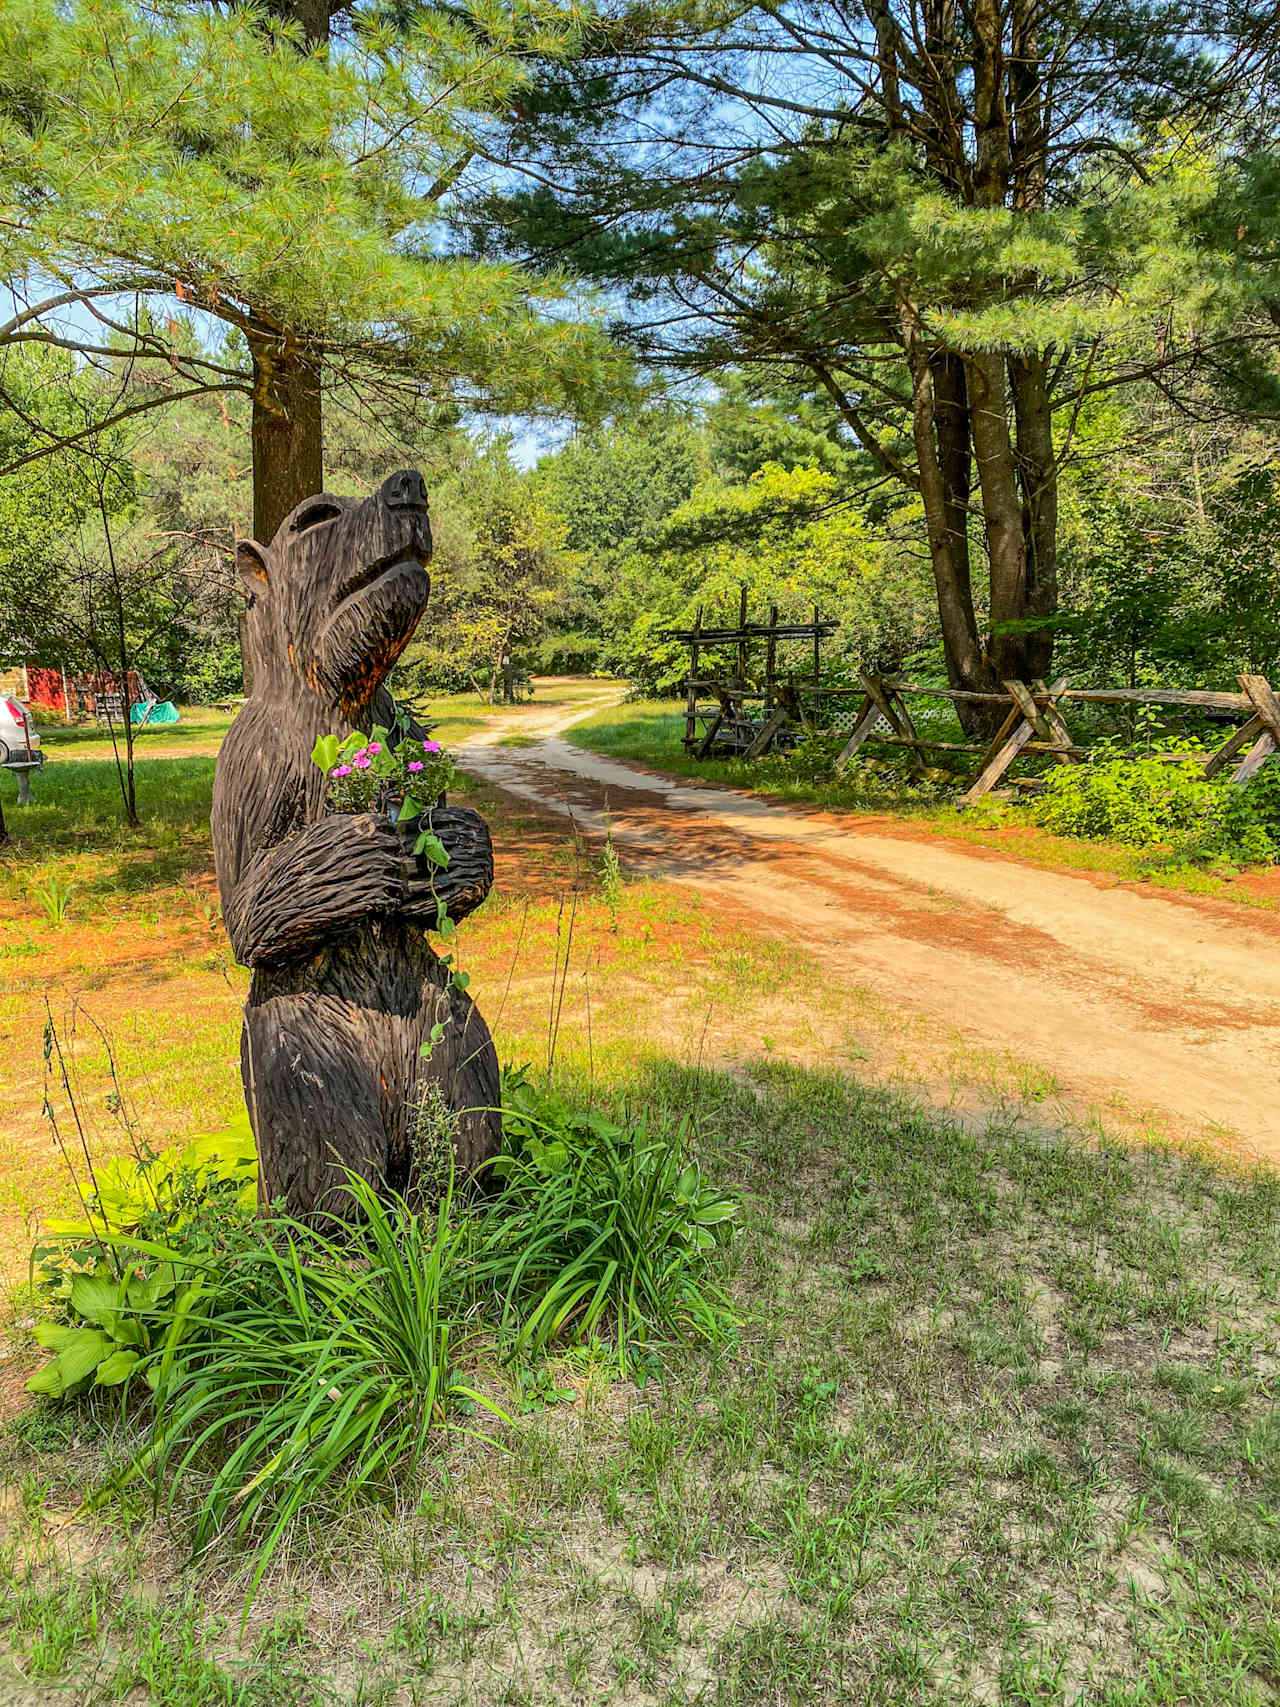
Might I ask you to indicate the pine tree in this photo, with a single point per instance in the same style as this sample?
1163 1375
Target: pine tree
162 167
954 220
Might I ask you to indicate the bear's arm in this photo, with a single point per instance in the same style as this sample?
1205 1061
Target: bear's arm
289 900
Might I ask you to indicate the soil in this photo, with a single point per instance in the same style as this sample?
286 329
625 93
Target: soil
1133 1000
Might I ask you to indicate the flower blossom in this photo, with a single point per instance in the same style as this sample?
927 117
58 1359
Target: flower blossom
416 765
361 763
340 770
374 747
431 746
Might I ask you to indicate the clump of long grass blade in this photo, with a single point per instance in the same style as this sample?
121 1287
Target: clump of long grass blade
317 1363
600 1228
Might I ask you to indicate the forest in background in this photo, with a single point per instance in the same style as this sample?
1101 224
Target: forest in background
1169 541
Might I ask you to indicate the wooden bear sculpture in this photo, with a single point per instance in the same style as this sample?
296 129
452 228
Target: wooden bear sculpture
331 911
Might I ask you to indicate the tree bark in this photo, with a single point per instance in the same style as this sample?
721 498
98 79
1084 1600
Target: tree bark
1038 479
941 435
1001 510
286 431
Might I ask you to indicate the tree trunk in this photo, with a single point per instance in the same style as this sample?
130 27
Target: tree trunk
286 432
1001 512
287 439
1038 480
941 433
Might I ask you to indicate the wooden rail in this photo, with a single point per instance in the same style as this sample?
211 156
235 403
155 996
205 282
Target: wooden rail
1034 724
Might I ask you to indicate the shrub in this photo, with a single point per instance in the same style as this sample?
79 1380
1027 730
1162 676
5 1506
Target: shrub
287 1362
598 1226
1149 803
117 1280
314 1362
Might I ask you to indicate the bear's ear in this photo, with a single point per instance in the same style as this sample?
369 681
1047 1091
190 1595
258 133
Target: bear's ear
251 561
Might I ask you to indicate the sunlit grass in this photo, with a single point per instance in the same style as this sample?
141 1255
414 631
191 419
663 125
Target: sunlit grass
651 732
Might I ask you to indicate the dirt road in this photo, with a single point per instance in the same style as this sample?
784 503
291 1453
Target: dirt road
1130 1000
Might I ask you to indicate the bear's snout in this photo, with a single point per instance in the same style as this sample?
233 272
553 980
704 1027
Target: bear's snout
406 490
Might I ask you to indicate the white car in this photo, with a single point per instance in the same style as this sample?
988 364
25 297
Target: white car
17 733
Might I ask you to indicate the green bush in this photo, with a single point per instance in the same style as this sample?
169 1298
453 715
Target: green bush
315 1362
285 1362
1150 803
114 1303
599 1226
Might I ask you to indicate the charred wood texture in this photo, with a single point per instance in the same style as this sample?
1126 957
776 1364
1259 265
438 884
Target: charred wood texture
332 912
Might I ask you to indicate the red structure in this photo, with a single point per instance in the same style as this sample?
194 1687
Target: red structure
46 687
37 687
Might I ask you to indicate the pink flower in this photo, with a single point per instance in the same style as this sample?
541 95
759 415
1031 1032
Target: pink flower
340 770
374 747
431 746
416 765
361 763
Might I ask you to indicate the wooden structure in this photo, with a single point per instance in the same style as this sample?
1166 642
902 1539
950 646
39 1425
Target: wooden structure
353 1024
747 715
102 696
1034 724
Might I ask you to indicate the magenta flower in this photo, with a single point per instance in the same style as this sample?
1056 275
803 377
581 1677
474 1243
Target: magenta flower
431 746
416 765
340 770
361 763
374 747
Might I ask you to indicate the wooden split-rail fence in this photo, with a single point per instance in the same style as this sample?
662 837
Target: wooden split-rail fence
1034 724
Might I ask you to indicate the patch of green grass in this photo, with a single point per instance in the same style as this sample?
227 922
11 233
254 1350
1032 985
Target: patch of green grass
651 732
998 1424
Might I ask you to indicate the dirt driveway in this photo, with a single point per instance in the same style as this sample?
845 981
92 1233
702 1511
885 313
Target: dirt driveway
1156 1009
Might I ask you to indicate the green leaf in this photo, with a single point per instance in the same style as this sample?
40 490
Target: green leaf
47 1381
462 981
96 1298
82 1351
54 1335
117 1368
325 752
429 846
410 808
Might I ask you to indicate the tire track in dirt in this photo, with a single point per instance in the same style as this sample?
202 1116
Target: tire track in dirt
1122 994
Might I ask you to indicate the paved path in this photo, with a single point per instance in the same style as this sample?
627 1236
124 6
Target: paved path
1129 996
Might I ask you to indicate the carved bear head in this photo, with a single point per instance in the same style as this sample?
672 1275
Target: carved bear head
336 596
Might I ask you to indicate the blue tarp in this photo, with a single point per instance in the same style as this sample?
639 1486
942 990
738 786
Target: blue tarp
152 715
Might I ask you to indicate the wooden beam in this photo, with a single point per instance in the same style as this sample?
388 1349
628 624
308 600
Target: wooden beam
1054 718
713 729
1210 700
1259 693
869 714
909 736
766 736
1029 709
999 763
1255 758
1009 747
691 704
1263 701
1243 737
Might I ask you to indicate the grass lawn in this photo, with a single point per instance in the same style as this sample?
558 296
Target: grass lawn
651 732
997 1423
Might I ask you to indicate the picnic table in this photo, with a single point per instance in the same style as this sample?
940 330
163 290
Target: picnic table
22 769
